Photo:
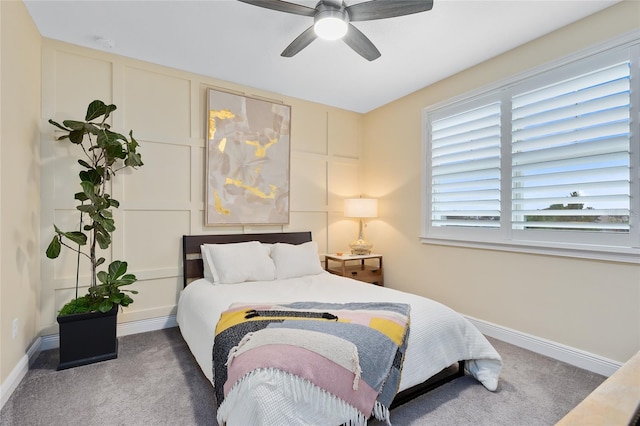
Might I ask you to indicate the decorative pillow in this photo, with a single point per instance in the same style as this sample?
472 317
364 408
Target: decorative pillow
239 262
293 260
209 269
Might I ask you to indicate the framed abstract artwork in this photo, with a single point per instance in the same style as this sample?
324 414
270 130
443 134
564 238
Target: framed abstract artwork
247 160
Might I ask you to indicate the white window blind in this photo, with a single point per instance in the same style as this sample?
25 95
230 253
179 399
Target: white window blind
465 168
570 153
544 163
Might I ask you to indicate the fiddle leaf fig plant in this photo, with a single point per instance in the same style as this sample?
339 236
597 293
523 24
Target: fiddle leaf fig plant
105 153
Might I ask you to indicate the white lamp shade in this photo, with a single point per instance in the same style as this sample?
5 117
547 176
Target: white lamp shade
360 207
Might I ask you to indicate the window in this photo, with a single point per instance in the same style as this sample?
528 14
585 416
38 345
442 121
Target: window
545 163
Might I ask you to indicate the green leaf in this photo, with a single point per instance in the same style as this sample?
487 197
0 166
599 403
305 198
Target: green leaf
102 277
100 261
86 208
126 280
59 126
92 175
133 160
106 137
102 203
89 189
120 138
117 268
97 109
80 196
53 251
105 306
76 236
126 300
74 124
76 136
92 128
84 164
110 109
107 224
104 240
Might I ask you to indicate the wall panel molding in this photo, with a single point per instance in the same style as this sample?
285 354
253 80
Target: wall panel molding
325 138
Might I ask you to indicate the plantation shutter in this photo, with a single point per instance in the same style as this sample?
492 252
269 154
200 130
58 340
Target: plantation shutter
571 154
465 168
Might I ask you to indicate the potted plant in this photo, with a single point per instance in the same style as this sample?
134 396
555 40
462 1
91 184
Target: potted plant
88 323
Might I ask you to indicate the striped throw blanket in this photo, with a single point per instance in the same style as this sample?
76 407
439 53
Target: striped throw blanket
341 357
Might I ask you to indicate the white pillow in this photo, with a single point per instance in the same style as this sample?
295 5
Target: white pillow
208 268
239 262
293 260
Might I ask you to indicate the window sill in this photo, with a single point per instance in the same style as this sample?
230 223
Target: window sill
611 254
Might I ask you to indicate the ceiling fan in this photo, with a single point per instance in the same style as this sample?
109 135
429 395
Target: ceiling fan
332 20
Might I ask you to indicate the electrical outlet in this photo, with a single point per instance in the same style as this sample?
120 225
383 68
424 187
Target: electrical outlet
15 327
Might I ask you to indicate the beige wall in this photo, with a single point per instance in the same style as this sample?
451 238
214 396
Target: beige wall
164 199
590 305
19 183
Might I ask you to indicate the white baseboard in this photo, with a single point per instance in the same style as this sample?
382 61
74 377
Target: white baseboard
14 379
560 352
576 357
18 373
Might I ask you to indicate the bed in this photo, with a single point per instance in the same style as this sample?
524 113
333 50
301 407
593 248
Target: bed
439 345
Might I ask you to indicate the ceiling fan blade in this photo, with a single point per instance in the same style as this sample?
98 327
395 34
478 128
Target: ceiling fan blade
361 44
282 6
302 41
381 9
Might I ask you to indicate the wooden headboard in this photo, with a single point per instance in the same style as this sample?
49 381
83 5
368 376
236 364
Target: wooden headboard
192 258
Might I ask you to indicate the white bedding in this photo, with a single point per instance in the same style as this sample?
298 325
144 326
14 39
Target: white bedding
438 335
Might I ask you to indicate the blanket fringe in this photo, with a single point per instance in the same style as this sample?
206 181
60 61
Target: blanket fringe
298 390
381 412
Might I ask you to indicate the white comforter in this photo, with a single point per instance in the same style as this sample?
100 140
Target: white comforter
438 336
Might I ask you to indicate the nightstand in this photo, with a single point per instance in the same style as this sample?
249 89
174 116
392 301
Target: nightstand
356 267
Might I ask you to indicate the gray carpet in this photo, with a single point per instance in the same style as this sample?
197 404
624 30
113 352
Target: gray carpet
156 381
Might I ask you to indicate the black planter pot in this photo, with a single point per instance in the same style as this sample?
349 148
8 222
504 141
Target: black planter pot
88 338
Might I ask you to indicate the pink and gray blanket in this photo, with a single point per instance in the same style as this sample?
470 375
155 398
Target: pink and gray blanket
352 352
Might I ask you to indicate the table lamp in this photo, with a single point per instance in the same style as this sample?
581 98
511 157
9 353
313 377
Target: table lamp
361 208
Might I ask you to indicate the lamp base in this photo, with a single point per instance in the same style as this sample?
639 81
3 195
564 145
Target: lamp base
360 247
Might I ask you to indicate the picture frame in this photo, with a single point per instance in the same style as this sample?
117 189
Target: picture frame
247 160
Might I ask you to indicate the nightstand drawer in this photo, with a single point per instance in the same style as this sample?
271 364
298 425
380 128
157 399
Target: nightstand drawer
368 274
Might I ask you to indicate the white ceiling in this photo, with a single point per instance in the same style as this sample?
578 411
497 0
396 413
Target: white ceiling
241 43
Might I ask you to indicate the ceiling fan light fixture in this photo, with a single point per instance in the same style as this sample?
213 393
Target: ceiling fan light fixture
332 20
331 24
